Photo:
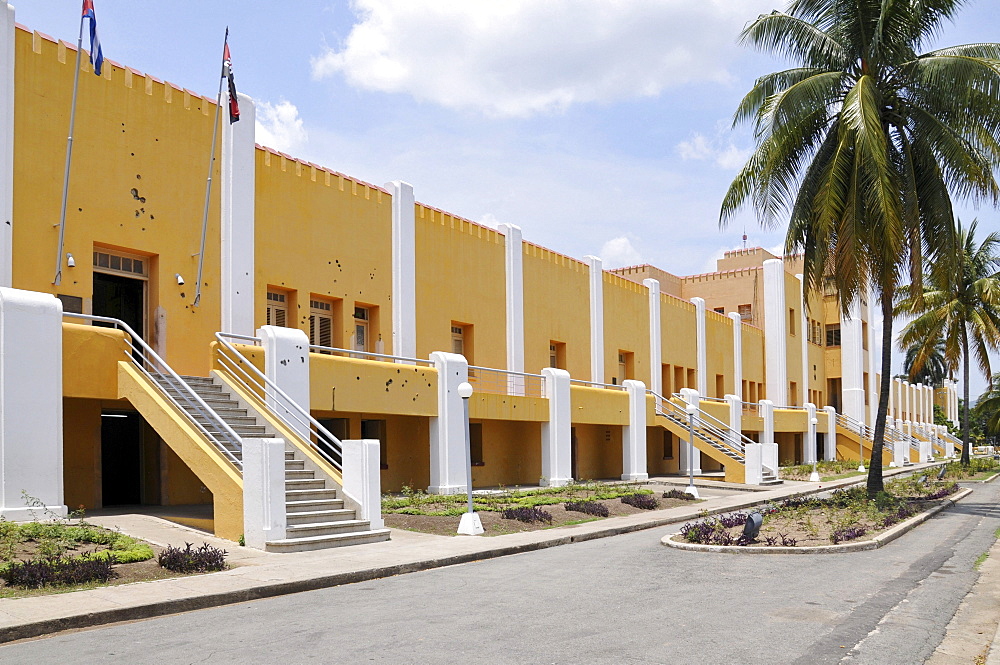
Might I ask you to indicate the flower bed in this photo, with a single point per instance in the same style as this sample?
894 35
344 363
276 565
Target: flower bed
846 515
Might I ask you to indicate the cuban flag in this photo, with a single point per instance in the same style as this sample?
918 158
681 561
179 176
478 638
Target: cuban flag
96 55
227 71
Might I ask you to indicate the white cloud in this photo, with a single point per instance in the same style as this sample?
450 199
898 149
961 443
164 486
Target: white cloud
719 150
619 252
279 126
523 57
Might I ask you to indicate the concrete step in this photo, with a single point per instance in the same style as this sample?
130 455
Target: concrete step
320 516
300 504
298 474
772 481
292 464
305 484
231 420
326 528
309 494
323 542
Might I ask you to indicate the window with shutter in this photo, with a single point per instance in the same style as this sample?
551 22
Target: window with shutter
321 323
277 309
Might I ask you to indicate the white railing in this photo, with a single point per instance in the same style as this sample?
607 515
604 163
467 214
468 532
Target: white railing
704 424
274 400
187 401
334 351
596 384
505 382
751 408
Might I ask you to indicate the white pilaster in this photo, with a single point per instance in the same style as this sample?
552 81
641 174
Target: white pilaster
809 450
237 200
404 271
31 401
775 333
363 479
448 475
264 515
735 415
6 144
514 271
557 432
691 396
804 333
901 449
737 354
851 363
769 449
919 413
286 363
830 440
874 367
596 318
655 352
701 352
949 447
634 434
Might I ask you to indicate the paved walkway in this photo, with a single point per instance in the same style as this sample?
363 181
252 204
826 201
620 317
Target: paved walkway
259 574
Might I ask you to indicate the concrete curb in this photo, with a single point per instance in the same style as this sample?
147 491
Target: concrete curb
269 590
885 537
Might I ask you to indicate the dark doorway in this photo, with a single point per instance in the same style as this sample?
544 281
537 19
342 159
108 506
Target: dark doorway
120 297
121 458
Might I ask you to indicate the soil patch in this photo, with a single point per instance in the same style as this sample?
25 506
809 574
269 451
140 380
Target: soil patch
495 525
845 516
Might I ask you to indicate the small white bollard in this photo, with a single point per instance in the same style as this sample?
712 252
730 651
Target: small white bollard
470 525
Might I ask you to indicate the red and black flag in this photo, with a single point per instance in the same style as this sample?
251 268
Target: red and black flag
227 72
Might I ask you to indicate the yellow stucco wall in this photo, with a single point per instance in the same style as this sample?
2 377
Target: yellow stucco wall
140 153
82 452
719 353
598 451
678 340
626 327
90 360
556 309
512 454
321 233
353 384
460 278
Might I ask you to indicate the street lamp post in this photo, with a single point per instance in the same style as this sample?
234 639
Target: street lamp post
814 476
691 489
470 525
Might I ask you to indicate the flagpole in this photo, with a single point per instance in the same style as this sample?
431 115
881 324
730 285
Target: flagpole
211 164
69 156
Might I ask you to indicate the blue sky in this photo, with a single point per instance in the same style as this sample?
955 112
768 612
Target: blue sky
599 126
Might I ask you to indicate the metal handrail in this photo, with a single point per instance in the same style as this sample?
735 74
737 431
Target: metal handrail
184 390
597 384
349 352
513 383
290 407
724 434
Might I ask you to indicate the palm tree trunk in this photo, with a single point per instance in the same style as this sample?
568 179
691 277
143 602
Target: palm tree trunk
965 392
875 484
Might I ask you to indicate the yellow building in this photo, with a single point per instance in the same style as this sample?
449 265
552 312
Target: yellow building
328 313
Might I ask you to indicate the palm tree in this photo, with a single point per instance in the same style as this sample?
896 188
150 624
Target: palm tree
863 143
926 364
988 406
960 305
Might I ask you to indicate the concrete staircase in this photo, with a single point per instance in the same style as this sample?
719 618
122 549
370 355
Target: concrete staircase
716 446
315 512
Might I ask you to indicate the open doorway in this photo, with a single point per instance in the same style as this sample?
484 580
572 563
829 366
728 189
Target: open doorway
121 458
121 297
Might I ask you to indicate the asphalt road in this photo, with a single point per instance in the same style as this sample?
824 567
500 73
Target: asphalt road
617 600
